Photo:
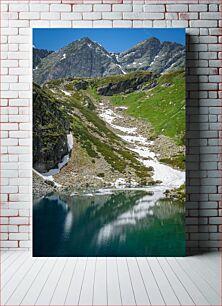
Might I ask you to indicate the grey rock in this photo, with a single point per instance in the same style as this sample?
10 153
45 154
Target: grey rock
124 86
85 58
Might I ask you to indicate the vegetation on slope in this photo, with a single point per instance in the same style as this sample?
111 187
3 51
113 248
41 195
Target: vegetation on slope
94 137
158 100
163 106
50 128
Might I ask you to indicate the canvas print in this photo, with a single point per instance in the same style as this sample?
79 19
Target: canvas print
108 142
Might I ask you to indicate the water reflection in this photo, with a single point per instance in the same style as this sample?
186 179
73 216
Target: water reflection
118 223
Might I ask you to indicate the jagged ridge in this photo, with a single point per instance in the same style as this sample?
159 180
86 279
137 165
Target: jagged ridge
85 58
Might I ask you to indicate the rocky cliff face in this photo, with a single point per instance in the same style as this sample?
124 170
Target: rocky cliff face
50 128
82 58
153 55
38 55
85 58
126 84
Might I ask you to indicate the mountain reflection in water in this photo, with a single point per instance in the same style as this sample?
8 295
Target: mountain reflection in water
117 223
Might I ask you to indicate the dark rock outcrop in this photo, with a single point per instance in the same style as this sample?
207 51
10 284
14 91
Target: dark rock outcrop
50 129
124 86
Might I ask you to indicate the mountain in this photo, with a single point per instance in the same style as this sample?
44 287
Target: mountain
85 58
50 129
81 58
153 55
38 55
99 155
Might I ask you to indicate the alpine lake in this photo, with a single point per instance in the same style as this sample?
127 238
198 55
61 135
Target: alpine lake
118 222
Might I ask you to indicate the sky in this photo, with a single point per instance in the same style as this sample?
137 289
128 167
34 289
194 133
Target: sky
113 40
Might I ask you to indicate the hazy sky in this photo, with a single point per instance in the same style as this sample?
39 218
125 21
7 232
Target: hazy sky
113 40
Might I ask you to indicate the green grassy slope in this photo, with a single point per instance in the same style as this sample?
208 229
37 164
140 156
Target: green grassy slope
163 107
93 135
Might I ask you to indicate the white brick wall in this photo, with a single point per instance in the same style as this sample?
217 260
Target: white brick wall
201 17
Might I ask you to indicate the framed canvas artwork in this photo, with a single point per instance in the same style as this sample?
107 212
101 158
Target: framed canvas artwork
108 142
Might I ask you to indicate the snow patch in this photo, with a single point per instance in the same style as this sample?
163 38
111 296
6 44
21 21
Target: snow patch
49 175
66 92
63 57
121 68
170 177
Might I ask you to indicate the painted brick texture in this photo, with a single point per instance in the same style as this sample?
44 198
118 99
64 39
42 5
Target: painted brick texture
204 56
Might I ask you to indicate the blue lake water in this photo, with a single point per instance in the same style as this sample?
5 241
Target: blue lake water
118 223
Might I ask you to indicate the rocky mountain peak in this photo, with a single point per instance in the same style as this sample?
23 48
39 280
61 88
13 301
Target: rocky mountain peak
86 58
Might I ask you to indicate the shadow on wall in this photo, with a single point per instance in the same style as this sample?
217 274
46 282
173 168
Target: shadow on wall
193 170
201 187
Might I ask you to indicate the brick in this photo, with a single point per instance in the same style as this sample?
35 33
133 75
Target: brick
138 23
29 15
60 8
154 8
19 23
203 23
134 15
18 150
137 7
24 212
39 24
210 244
207 55
71 16
200 236
208 212
213 7
82 24
215 236
180 23
197 7
177 8
162 24
171 16
18 7
18 220
213 15
102 7
121 7
122 23
9 142
9 63
112 15
9 212
215 78
102 23
204 31
60 24
24 229
215 63
25 244
92 15
9 244
3 220
215 31
53 15
82 8
35 7
19 118
147 23
214 47
208 39
18 236
188 16
9 126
